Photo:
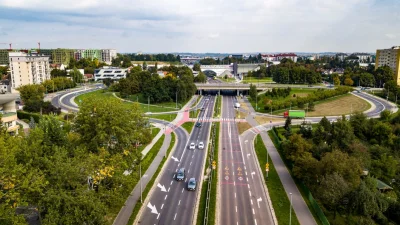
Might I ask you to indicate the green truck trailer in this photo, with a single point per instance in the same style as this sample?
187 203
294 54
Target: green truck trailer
295 114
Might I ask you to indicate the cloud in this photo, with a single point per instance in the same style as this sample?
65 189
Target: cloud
391 36
203 26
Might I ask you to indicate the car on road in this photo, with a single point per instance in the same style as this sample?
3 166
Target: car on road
237 105
180 175
192 146
191 184
202 109
201 145
198 124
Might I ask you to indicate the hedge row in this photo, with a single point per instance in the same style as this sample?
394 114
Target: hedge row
26 115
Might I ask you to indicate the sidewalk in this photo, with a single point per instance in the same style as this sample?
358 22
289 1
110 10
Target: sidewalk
153 142
126 211
299 205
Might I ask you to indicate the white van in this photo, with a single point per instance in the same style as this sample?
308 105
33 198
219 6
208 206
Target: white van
237 105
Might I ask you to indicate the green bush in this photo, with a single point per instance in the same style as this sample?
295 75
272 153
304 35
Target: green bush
27 116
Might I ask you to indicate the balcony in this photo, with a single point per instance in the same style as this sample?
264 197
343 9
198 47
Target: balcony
8 117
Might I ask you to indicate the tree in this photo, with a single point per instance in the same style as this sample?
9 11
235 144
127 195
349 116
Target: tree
332 189
348 81
253 92
32 123
296 147
383 74
367 80
343 133
196 67
110 124
32 95
108 82
336 80
200 78
385 115
144 66
77 76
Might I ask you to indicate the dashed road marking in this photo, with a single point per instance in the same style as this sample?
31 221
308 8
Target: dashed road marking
165 197
175 216
162 206
179 202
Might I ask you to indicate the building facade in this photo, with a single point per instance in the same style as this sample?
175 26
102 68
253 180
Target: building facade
28 69
107 55
8 111
389 57
112 72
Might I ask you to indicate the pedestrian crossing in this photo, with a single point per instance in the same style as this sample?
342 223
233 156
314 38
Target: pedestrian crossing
258 129
209 119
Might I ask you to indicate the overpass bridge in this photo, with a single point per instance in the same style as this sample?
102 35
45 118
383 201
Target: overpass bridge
232 69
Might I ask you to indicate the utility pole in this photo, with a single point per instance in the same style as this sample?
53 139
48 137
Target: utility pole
148 104
176 99
290 213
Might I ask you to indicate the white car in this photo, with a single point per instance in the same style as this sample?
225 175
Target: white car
192 146
201 145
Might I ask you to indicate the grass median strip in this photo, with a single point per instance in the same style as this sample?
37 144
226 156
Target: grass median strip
188 126
151 182
213 193
277 193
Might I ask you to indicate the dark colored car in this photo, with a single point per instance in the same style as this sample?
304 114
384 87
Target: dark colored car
198 124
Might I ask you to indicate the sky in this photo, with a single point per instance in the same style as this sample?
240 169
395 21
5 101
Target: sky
199 26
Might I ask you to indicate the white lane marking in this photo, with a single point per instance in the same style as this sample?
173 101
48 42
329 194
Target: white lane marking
169 188
255 221
235 194
165 197
190 163
185 179
175 216
179 164
247 179
172 181
158 215
173 177
250 193
183 189
236 208
179 202
188 172
192 156
248 185
251 200
162 206
253 212
245 173
244 167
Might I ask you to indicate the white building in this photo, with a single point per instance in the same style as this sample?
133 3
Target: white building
8 111
113 73
28 69
389 57
107 55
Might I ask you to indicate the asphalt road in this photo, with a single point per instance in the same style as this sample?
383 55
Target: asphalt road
175 204
242 195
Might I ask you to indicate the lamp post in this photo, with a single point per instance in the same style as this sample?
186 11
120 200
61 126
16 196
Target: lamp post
290 212
148 104
176 99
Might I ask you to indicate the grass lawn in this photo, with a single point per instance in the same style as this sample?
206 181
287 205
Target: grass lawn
154 107
248 80
218 105
243 126
277 193
336 106
161 107
151 182
213 193
188 126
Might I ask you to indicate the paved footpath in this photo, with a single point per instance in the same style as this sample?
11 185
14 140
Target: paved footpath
300 207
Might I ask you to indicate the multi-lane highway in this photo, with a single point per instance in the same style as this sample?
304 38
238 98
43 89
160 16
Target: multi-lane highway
241 189
171 202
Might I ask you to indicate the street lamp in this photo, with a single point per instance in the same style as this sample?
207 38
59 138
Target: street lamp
290 213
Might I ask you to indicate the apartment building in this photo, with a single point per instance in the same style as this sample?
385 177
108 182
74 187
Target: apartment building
28 69
389 57
107 55
8 112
